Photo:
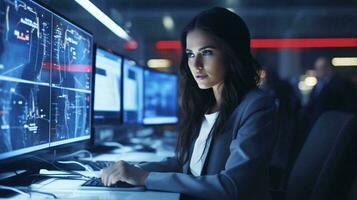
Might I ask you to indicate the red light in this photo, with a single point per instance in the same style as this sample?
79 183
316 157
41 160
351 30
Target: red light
131 45
304 43
69 68
168 44
279 43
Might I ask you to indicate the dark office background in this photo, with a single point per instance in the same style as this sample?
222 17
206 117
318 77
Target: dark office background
143 20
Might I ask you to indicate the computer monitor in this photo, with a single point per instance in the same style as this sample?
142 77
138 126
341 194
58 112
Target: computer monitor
107 91
160 98
133 92
45 79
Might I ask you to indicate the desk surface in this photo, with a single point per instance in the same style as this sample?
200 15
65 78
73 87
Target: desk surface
70 189
128 154
103 195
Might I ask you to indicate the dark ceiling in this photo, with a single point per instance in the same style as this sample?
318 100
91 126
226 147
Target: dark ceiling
266 19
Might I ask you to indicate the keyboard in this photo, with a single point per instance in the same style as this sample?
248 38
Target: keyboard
101 164
98 165
96 183
95 165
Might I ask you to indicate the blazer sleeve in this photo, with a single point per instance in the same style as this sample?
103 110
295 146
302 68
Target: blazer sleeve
246 167
170 164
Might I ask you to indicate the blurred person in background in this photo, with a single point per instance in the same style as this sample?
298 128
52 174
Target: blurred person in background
331 92
288 107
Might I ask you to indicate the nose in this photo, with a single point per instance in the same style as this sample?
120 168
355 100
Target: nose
198 62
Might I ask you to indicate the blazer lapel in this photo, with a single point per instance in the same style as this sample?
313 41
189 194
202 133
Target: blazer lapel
217 155
186 166
218 151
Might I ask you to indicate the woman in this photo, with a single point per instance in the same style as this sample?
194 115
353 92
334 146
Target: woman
226 133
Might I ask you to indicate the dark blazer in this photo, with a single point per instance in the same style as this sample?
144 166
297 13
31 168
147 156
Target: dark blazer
237 163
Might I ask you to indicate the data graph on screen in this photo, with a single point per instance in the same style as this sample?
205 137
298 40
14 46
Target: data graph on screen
45 79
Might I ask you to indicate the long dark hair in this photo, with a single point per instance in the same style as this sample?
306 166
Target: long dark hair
230 31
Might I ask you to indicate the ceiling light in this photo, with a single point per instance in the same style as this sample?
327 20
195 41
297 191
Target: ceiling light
168 22
344 61
159 63
104 19
231 9
310 81
307 82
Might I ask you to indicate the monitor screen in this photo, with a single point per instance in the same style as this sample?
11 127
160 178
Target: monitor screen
107 87
133 92
45 79
160 98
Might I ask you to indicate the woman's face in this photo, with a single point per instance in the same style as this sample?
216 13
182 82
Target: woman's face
205 59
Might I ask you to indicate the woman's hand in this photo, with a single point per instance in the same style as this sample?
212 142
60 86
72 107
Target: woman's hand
123 171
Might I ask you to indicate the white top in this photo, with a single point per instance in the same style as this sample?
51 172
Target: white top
199 153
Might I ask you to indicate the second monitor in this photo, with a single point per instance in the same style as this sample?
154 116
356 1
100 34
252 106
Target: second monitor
107 109
132 92
160 98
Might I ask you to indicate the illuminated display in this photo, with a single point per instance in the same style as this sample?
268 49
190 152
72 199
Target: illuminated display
160 98
133 92
107 99
45 79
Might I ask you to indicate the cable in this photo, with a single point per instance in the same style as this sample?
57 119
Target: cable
45 193
29 191
61 176
3 187
113 144
80 164
61 169
75 154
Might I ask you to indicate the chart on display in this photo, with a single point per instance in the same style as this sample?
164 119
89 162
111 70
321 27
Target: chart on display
45 79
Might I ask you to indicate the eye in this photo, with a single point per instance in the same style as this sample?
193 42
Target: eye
190 55
207 52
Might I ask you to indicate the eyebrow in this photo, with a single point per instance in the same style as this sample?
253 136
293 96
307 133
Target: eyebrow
205 47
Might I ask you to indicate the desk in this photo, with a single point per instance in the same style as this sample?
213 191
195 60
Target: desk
70 189
134 156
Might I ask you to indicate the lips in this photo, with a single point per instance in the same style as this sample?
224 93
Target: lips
201 76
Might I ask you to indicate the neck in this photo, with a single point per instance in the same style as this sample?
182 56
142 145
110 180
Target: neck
217 91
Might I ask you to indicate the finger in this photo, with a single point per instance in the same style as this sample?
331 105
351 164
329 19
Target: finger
115 177
122 173
111 172
101 174
106 174
114 173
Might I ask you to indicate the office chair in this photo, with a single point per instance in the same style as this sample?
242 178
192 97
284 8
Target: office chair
318 166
